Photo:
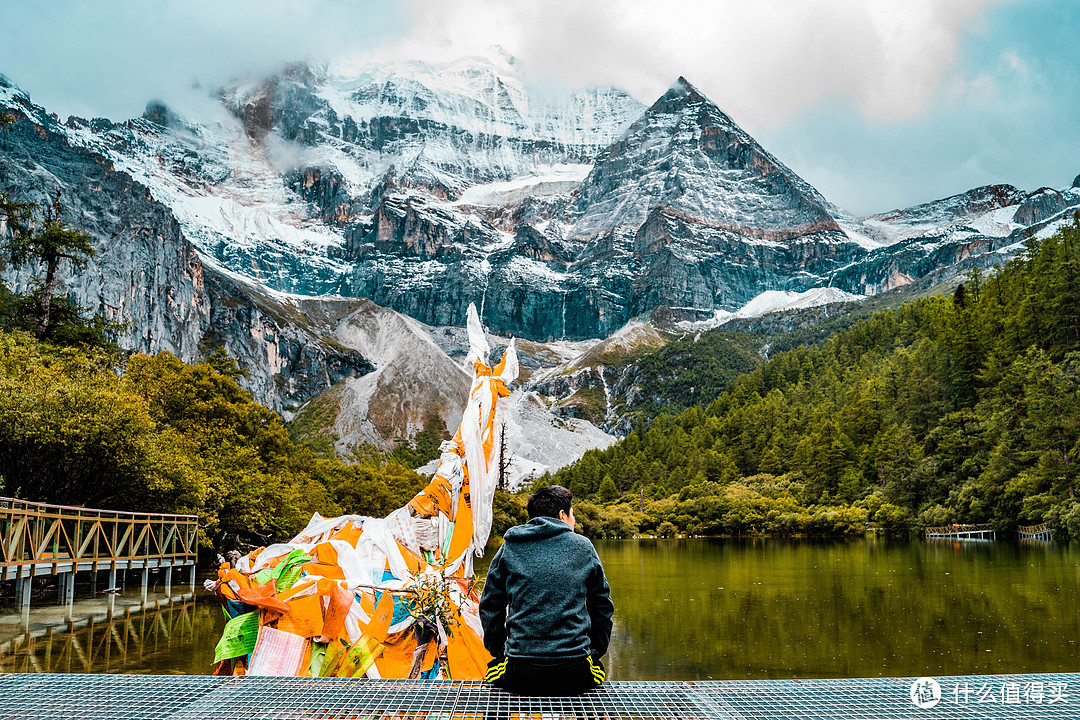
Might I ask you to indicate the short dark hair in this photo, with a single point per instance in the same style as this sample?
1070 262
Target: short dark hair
549 500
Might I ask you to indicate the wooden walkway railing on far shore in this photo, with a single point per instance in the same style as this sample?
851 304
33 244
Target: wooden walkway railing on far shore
1041 531
958 531
38 539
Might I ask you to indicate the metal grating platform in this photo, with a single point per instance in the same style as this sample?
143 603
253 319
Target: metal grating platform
147 697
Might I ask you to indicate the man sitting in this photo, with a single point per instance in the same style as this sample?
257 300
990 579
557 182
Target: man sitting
546 607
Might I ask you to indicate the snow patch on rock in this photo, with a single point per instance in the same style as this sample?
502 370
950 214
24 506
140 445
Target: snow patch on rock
537 441
772 301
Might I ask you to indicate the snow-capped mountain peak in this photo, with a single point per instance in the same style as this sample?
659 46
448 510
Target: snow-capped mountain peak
428 185
688 156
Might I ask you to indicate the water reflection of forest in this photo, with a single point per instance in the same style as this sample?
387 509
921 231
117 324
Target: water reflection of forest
122 641
774 608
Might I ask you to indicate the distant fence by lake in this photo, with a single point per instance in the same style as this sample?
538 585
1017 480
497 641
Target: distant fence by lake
39 539
959 531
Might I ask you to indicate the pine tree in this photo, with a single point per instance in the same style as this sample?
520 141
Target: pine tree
47 244
15 218
607 491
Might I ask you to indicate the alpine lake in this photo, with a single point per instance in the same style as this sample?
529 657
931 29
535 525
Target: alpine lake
692 609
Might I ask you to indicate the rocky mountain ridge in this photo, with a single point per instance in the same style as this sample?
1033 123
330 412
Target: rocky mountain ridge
147 275
426 187
259 226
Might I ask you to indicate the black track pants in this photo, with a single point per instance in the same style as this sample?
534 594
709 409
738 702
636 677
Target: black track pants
528 677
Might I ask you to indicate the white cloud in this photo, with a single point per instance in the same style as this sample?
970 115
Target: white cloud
1015 63
763 61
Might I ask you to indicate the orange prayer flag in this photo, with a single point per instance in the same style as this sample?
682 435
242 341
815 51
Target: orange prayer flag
323 570
285 624
367 602
305 664
241 579
433 498
397 655
411 559
461 538
326 553
225 590
466 656
423 505
498 369
299 588
348 532
307 616
337 610
263 596
381 618
430 656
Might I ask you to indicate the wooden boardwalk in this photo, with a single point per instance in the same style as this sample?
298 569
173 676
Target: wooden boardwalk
39 540
1035 532
960 531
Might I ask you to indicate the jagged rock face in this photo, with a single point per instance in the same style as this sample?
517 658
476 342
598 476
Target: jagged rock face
689 265
147 276
688 157
697 248
425 188
325 189
441 131
955 208
287 345
700 215
144 273
1040 205
413 382
982 227
910 259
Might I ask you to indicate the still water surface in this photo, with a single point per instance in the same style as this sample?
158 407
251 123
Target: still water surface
698 609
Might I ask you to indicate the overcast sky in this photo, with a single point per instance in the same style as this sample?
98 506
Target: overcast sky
878 103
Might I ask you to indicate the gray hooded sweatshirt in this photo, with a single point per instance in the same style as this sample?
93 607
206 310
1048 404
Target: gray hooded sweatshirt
546 597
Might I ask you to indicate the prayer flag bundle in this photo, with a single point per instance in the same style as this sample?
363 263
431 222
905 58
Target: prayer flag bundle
394 597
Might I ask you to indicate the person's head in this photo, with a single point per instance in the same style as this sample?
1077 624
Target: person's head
553 501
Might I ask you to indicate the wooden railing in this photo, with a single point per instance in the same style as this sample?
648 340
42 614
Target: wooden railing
1041 531
39 534
959 528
